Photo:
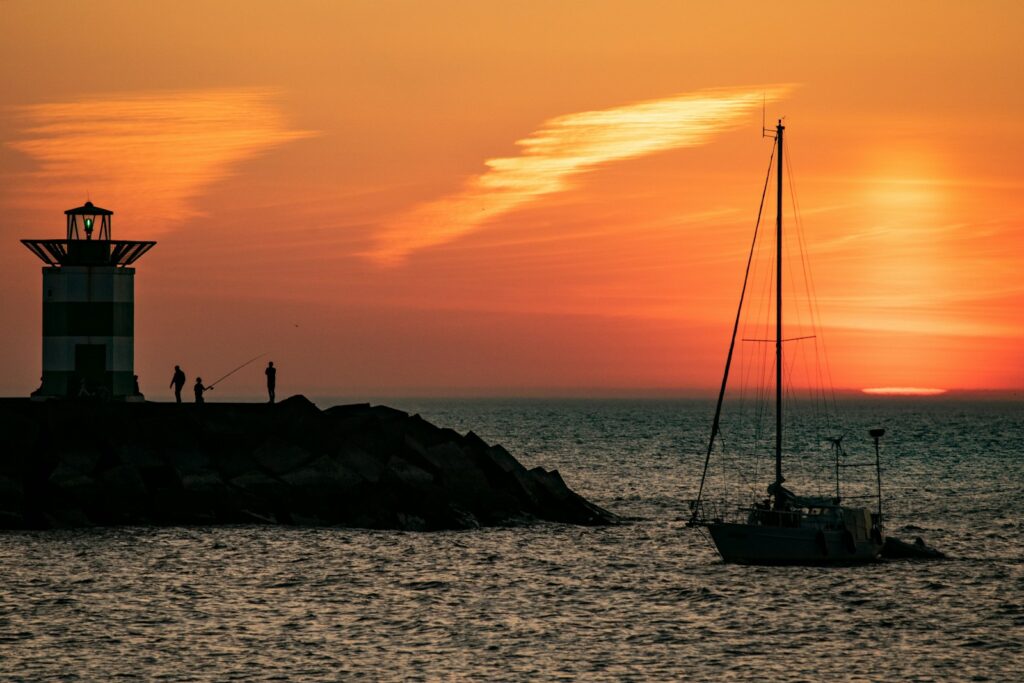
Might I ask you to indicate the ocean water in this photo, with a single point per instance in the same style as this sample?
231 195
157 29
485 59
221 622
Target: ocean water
647 600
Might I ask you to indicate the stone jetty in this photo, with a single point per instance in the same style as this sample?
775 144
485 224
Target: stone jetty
67 464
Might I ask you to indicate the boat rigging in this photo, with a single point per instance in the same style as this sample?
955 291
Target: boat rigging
785 528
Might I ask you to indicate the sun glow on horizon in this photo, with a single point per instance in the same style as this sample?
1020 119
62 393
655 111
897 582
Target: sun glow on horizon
903 391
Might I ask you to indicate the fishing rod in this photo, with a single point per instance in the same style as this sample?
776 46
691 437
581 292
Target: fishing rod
237 369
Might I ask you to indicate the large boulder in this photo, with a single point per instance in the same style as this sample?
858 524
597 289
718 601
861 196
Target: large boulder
278 456
12 502
18 438
322 490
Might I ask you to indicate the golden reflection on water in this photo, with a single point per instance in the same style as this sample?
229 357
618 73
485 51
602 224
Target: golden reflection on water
144 155
561 148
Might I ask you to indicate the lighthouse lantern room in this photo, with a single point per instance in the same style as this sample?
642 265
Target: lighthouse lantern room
88 308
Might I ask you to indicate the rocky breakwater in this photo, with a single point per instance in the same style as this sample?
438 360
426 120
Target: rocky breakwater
73 464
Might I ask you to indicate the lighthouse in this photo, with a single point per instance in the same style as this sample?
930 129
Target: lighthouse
88 308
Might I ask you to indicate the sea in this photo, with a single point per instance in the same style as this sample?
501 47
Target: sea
648 599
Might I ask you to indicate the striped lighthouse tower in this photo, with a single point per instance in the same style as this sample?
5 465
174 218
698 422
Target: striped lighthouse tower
88 308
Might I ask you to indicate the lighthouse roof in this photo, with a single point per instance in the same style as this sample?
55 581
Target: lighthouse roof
88 209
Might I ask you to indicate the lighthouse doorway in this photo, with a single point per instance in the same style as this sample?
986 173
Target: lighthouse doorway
91 366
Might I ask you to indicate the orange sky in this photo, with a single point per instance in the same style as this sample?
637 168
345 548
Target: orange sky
518 198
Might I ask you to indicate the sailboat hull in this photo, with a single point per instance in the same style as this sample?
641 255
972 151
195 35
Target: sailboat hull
765 545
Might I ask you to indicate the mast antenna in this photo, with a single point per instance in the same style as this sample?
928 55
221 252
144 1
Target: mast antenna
764 98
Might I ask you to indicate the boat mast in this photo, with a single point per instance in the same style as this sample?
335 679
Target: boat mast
778 321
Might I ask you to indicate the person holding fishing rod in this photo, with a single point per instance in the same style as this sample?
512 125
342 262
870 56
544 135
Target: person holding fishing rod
199 389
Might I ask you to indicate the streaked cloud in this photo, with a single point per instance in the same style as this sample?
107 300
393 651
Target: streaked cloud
145 156
564 147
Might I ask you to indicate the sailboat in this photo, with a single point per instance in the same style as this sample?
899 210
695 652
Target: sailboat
786 528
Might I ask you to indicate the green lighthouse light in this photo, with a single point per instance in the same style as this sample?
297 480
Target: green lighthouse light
89 219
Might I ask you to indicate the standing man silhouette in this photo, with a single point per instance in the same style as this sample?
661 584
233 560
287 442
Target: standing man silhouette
271 373
178 382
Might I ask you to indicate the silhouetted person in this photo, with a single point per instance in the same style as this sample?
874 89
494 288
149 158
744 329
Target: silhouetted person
135 385
178 382
199 389
83 389
271 373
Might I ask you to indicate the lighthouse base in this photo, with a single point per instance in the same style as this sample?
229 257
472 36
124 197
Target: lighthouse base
88 332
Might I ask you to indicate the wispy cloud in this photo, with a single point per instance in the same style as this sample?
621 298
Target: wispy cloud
564 147
144 155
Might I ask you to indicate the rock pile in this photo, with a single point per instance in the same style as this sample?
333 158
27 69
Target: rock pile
895 549
71 464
